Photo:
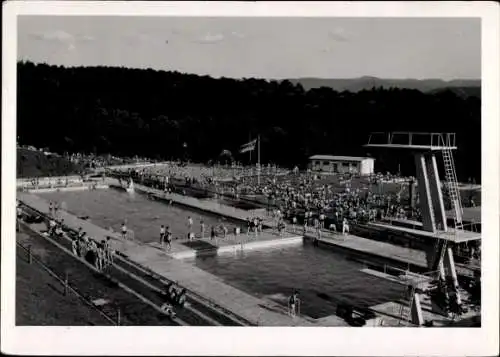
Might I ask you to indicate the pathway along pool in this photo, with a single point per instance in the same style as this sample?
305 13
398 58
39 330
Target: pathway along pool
323 278
109 208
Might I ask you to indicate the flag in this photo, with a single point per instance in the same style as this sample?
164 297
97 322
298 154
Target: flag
248 146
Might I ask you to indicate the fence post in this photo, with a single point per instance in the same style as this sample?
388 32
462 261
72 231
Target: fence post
66 283
29 254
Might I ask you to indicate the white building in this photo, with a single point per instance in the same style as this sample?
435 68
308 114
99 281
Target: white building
340 164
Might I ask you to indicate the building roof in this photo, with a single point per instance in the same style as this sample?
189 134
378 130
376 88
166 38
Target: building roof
339 158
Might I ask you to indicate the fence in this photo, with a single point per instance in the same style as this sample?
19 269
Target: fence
67 287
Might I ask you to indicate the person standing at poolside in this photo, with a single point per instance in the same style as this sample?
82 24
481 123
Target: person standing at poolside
213 235
190 223
169 238
202 226
108 251
124 231
162 234
19 213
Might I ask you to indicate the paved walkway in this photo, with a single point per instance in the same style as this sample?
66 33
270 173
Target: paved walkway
260 311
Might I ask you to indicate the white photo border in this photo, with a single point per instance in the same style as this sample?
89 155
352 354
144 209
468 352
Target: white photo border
315 341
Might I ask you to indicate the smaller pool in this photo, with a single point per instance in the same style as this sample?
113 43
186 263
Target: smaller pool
323 278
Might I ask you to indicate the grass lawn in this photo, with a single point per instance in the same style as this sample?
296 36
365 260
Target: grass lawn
40 299
35 164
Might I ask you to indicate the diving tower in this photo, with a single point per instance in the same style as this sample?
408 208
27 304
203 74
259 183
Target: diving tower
440 260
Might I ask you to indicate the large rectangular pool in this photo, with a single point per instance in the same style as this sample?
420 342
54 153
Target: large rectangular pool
323 278
143 216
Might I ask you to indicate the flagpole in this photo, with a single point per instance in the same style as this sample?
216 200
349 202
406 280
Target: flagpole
250 139
258 160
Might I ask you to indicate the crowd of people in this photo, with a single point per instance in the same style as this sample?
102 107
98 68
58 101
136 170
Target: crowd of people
100 254
301 195
100 161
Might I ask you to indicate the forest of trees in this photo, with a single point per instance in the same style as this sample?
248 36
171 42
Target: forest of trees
152 113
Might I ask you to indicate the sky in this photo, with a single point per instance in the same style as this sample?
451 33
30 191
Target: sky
262 47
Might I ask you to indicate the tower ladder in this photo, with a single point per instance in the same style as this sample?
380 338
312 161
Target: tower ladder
453 191
454 194
410 305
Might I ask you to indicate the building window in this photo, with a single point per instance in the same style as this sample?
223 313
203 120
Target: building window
345 164
326 163
317 162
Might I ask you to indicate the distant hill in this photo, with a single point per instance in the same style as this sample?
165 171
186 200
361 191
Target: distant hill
358 84
463 92
36 164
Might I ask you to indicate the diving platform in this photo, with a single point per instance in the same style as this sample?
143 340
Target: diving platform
439 254
412 140
451 235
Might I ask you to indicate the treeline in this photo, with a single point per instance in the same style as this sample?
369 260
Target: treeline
153 113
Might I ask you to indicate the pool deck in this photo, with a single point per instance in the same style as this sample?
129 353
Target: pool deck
231 244
262 312
381 249
392 311
69 188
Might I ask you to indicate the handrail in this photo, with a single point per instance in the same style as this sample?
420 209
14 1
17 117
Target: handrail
434 139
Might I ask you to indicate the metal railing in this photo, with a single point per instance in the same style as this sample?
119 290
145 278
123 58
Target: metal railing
67 287
412 138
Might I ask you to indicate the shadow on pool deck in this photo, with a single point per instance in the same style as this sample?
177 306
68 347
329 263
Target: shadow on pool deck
199 245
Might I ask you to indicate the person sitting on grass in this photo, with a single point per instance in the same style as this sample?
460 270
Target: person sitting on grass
52 226
74 246
168 310
58 231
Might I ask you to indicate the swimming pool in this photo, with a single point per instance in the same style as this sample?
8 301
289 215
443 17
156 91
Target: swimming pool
323 278
143 216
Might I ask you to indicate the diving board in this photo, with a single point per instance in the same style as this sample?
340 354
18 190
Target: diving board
451 235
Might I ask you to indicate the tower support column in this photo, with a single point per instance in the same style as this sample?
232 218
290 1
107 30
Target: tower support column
424 191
